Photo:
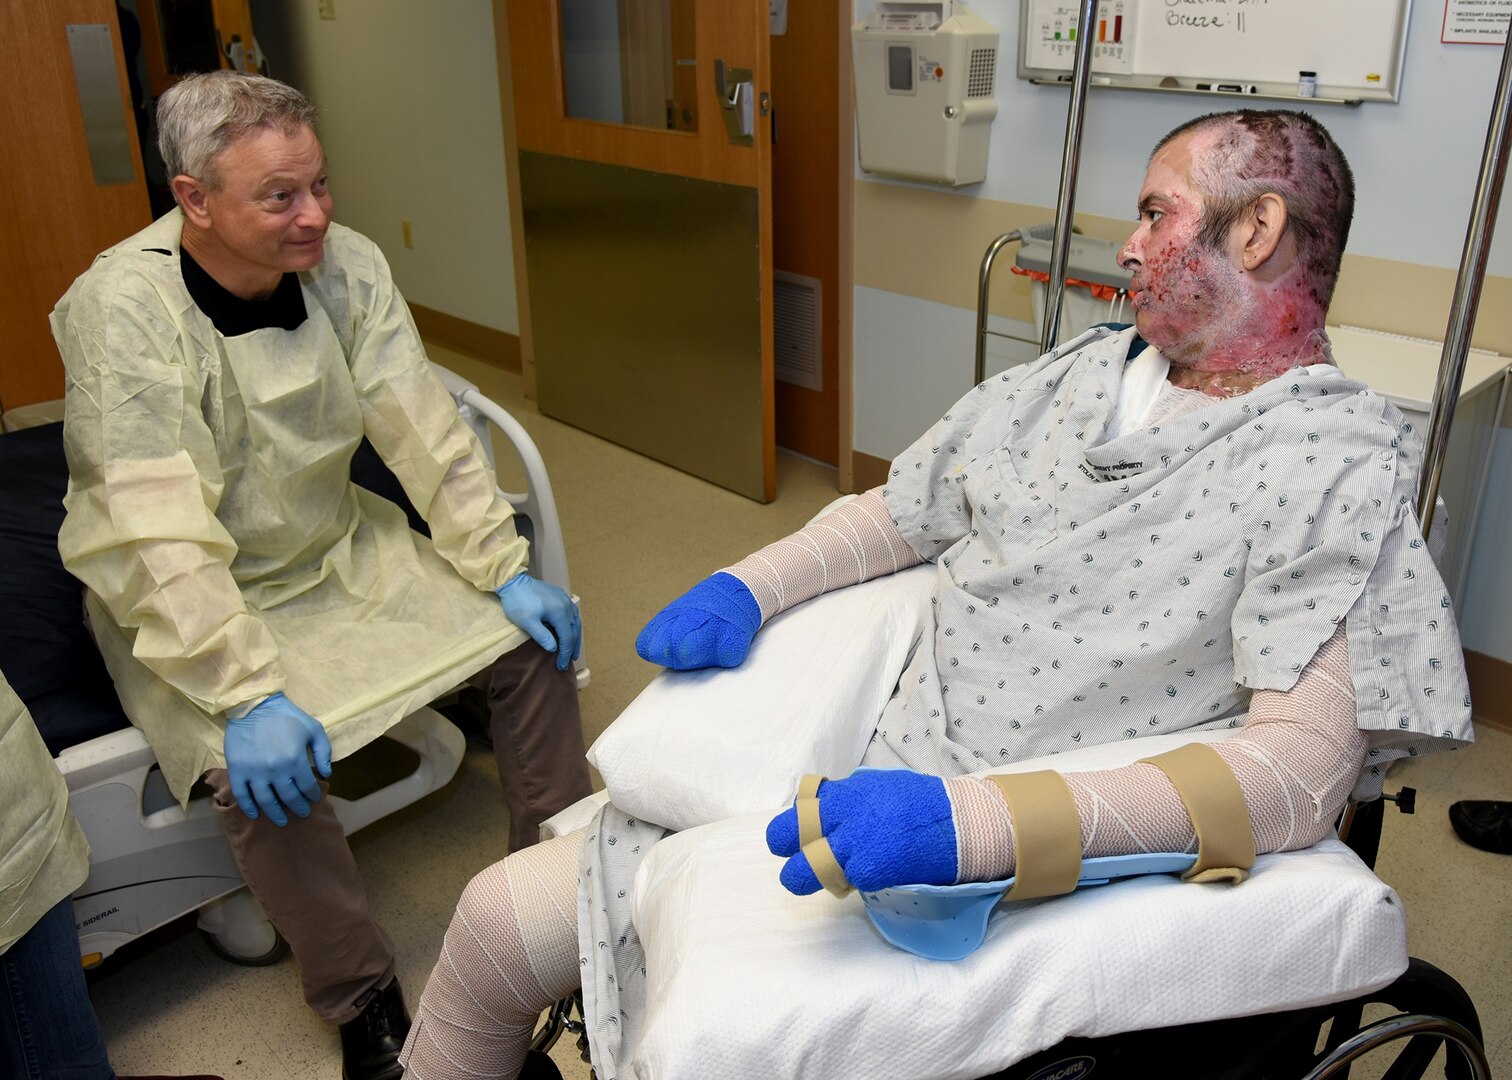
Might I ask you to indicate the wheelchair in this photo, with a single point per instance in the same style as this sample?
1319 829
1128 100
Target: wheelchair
1427 1009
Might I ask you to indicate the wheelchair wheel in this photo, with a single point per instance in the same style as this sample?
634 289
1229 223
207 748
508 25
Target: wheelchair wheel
1422 1034
1431 1008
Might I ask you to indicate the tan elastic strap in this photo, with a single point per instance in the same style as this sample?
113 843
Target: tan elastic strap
821 858
1046 834
1210 791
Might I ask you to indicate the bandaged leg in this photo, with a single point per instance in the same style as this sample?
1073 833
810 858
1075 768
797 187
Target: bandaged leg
1298 757
854 543
511 951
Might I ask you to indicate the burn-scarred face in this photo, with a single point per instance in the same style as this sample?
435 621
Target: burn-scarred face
1229 303
1183 290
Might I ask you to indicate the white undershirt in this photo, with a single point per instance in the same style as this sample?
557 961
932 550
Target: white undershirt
1146 396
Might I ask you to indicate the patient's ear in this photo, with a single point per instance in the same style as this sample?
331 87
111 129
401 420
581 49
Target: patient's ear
1263 227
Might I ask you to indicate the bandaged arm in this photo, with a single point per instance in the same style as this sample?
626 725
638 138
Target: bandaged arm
414 425
140 529
1296 759
854 543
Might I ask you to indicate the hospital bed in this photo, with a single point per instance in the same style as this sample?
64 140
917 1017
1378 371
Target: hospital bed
152 861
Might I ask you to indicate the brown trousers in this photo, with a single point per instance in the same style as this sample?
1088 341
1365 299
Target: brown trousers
307 881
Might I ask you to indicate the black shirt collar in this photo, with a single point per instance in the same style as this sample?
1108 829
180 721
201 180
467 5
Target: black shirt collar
232 315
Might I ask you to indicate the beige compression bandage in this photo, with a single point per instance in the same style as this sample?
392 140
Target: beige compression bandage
510 951
856 542
1047 836
1295 761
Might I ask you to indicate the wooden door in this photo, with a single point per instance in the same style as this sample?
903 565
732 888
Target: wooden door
67 191
807 166
648 240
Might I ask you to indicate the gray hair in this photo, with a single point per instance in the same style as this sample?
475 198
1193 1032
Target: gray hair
201 115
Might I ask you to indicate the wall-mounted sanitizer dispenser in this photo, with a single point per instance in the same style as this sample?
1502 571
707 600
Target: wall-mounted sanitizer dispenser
924 83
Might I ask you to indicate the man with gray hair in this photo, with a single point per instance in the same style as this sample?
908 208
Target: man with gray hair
260 613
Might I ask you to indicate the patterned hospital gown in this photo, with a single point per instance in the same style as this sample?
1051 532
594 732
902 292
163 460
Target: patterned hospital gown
1095 590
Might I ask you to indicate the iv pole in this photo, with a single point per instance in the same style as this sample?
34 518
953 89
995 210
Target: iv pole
1070 165
1065 204
1467 290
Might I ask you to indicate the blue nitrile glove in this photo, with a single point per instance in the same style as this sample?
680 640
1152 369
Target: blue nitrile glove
886 827
546 613
710 625
268 759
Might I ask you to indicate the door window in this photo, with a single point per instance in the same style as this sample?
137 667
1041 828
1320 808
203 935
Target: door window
630 62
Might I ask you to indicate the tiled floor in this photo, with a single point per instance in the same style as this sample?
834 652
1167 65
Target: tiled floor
637 534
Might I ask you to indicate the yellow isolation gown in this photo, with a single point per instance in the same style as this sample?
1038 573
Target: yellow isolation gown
43 853
211 513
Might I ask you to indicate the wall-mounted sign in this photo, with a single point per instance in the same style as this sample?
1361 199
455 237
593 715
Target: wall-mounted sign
1476 22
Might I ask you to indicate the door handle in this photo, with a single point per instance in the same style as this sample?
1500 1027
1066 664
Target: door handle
737 99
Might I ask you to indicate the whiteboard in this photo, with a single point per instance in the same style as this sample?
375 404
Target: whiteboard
1248 47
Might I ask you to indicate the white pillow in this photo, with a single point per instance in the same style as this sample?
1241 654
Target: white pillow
699 746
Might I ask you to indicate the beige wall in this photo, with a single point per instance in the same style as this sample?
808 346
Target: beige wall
928 244
409 100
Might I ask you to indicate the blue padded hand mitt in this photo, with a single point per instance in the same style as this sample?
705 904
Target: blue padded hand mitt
886 827
710 625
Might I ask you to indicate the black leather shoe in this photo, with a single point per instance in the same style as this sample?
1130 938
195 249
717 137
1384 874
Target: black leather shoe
1484 824
370 1043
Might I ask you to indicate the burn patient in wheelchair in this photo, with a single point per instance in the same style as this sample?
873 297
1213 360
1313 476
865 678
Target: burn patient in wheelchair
1195 522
